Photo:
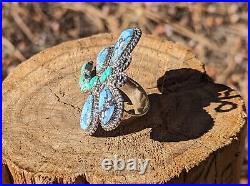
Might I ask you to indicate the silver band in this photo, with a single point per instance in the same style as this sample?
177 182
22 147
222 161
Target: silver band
137 96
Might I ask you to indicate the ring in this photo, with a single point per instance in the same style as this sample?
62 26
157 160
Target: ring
107 84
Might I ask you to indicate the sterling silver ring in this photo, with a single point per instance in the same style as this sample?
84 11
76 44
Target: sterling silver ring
105 83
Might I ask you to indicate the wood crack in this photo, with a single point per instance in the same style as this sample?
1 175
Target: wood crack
65 103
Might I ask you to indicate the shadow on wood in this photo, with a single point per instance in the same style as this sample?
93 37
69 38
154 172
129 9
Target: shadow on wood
184 95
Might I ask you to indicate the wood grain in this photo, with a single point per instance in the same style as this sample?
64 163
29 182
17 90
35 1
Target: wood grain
193 133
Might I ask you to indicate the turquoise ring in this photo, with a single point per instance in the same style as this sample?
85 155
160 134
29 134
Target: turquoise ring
105 83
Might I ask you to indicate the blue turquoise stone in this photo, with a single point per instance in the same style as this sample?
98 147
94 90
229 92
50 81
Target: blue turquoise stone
106 112
122 43
86 115
101 59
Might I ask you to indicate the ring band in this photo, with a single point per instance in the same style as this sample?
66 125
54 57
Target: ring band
109 86
138 98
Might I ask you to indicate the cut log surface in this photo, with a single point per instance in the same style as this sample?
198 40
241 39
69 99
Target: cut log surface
193 133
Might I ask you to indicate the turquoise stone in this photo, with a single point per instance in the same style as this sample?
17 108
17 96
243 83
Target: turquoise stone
106 112
86 84
122 43
86 115
83 83
106 74
85 80
101 59
92 82
86 66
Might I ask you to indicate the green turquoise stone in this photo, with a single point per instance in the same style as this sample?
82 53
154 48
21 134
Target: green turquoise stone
82 83
106 74
86 66
92 82
87 85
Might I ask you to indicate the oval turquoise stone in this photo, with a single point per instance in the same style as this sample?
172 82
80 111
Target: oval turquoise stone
106 105
106 74
82 83
122 43
86 84
92 82
86 115
101 59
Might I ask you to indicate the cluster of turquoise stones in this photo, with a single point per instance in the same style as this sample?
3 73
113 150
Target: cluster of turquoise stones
104 104
87 83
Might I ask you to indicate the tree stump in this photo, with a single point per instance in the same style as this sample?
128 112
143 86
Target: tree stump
193 133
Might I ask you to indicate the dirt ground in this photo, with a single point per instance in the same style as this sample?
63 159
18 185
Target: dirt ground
216 32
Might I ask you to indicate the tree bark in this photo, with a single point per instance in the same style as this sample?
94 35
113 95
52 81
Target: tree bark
193 133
